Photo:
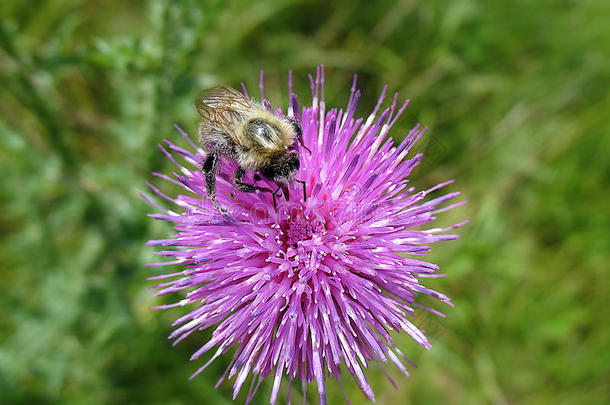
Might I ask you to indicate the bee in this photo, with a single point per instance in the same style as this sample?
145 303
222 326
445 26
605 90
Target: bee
251 134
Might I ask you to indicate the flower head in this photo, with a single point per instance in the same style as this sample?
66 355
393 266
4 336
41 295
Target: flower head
318 285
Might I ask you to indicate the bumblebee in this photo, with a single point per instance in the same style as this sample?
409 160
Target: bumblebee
254 136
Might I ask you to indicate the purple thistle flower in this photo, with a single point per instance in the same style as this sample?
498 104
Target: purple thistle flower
318 285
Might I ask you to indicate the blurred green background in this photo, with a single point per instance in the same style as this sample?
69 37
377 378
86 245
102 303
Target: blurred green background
517 97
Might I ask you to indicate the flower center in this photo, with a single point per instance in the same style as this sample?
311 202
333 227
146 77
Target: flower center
300 228
303 251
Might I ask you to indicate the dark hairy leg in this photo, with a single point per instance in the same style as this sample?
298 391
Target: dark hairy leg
209 168
245 187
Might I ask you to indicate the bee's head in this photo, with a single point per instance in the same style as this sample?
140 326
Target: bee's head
282 168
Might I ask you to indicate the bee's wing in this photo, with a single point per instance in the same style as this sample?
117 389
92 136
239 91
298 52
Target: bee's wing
223 107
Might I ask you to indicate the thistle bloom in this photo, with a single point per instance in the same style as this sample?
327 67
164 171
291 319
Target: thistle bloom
318 285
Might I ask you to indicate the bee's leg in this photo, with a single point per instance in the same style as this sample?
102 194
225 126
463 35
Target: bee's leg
274 194
286 192
304 189
209 168
299 133
245 187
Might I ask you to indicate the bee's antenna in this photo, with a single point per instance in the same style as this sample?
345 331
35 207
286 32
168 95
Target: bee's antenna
299 132
303 144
